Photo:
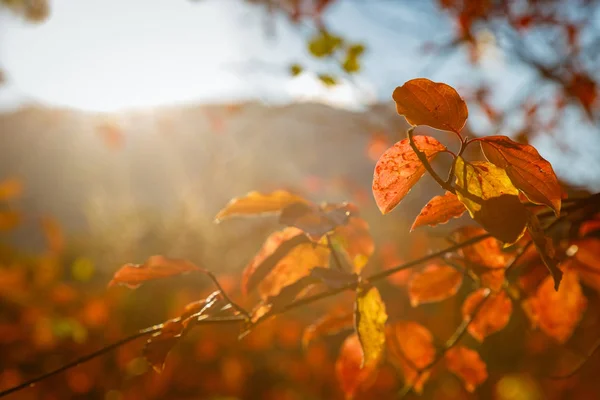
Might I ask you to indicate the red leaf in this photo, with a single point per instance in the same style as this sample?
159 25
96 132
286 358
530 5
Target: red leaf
348 367
439 210
493 315
435 283
527 170
410 346
399 169
557 313
156 267
467 365
423 102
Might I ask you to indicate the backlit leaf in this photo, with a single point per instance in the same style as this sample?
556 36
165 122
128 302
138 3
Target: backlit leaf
410 348
316 221
356 240
527 170
295 265
329 324
493 201
160 344
467 365
493 315
155 267
423 102
586 261
276 247
369 318
545 247
399 169
434 283
487 252
285 296
255 203
439 210
557 313
349 369
10 189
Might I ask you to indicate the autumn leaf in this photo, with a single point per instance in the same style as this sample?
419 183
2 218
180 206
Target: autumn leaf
399 169
423 102
493 315
316 221
439 210
10 189
329 324
286 295
282 269
276 247
545 247
586 261
255 203
434 283
467 365
527 170
491 199
369 320
160 344
349 369
155 267
334 278
486 253
557 313
410 348
356 241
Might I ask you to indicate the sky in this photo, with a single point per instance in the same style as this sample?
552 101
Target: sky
114 55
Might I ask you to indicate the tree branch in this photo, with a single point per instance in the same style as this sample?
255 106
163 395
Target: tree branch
425 162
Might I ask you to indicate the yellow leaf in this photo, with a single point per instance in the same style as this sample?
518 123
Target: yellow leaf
491 199
255 203
370 317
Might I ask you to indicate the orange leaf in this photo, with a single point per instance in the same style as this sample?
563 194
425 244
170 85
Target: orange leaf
527 170
329 324
435 283
491 198
295 264
10 189
276 247
557 313
348 368
487 253
160 344
493 315
467 365
545 247
255 203
423 102
155 267
399 169
410 348
586 261
316 221
439 210
356 241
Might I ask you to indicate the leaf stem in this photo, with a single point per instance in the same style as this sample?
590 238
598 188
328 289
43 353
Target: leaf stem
423 158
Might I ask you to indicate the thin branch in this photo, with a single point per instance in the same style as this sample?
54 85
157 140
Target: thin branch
109 348
237 307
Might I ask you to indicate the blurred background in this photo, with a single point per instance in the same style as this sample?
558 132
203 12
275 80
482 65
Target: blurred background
126 125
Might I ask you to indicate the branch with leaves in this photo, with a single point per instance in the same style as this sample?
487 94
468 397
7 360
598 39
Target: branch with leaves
322 250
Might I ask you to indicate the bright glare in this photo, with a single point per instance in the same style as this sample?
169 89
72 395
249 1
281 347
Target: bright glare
108 55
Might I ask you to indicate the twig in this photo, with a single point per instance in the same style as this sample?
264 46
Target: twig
425 162
237 307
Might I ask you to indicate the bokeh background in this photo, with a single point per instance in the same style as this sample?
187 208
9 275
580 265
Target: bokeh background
126 125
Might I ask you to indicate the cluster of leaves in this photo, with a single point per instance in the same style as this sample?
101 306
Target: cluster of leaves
323 250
